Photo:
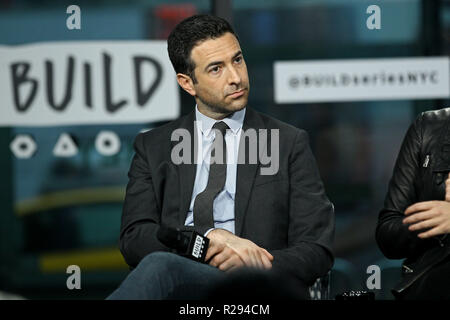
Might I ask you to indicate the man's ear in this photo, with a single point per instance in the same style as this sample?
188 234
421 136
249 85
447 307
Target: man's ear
186 83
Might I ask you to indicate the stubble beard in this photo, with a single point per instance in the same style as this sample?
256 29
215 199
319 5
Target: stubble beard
220 107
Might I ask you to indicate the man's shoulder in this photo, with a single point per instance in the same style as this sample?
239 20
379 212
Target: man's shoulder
164 132
285 128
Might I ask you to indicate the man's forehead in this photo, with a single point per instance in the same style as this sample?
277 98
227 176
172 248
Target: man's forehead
224 47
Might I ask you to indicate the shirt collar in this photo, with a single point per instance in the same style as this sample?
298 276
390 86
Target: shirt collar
234 121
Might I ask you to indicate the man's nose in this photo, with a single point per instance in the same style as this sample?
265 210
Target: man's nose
233 76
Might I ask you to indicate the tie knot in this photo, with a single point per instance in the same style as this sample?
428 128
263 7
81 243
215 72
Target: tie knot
221 126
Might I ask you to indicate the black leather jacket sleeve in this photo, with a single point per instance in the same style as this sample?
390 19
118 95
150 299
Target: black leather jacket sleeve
393 237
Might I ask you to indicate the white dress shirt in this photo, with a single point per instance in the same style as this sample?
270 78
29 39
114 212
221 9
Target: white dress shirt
223 205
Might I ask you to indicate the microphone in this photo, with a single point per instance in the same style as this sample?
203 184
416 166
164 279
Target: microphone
189 244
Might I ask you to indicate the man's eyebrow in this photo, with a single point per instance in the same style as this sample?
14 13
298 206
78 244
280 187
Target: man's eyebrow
237 54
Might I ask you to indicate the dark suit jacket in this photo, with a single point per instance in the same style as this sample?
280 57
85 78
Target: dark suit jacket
288 213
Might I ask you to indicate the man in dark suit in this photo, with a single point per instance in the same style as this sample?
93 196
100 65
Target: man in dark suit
272 218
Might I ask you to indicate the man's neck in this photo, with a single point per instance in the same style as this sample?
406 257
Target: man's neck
213 115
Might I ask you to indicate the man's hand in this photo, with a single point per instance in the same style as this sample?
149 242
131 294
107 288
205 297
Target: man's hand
228 252
431 215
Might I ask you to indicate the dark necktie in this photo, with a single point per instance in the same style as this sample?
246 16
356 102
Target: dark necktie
203 204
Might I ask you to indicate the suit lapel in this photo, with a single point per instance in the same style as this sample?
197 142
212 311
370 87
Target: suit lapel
246 172
187 171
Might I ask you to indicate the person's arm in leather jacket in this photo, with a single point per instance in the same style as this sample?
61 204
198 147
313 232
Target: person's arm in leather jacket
393 237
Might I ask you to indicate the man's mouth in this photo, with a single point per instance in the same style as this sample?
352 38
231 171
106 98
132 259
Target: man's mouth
237 94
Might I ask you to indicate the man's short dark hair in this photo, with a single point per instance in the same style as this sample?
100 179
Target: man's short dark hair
189 33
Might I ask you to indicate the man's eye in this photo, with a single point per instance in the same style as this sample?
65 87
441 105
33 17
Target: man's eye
215 69
238 59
